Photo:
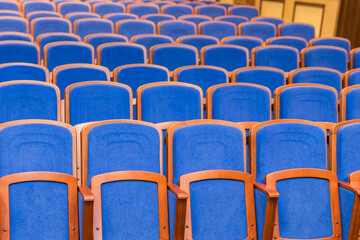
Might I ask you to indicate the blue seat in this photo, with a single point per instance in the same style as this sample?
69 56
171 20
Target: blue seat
281 57
141 9
295 42
197 19
202 76
218 29
324 76
13 24
84 27
261 30
273 20
212 11
115 17
96 39
176 29
352 77
323 56
21 71
173 56
103 8
333 41
25 99
46 38
96 101
355 58
70 7
10 13
19 51
150 40
157 17
232 19
131 28
48 25
73 17
29 7
39 14
248 42
168 101
238 102
271 78
136 75
9 5
229 57
302 30
17 36
313 102
68 74
162 3
198 41
177 10
113 55
349 103
244 11
60 53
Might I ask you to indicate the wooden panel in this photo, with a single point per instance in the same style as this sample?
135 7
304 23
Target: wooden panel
309 13
349 22
272 8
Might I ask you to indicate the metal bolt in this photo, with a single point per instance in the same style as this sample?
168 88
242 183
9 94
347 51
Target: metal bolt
274 224
163 227
337 235
336 222
4 229
97 228
251 224
252 238
187 226
275 237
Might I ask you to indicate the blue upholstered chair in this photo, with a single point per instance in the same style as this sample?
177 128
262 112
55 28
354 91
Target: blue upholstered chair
295 42
46 38
261 30
355 58
13 24
334 42
34 6
9 5
157 17
72 17
49 25
103 8
20 71
141 9
195 18
352 77
349 103
131 28
302 30
150 40
17 36
19 51
39 14
198 41
232 19
10 13
177 10
176 29
212 11
84 27
115 17
70 7
273 20
248 42
218 29
244 11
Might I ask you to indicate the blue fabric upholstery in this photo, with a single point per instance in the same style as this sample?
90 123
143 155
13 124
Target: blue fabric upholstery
275 21
227 5
178 10
295 42
72 17
68 52
229 57
120 16
174 56
18 51
247 42
162 3
105 8
298 30
270 78
177 29
137 75
28 101
202 76
346 206
122 146
194 4
70 7
96 40
218 29
356 59
96 102
20 71
85 27
143 9
200 147
352 104
170 102
284 58
130 28
56 37
335 42
37 6
195 19
13 24
211 11
151 40
36 147
258 29
354 78
9 6
249 12
312 103
241 103
198 41
319 76
15 36
329 57
71 74
9 13
156 18
35 15
50 24
118 54
233 19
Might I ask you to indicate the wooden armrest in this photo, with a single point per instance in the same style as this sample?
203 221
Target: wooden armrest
347 186
269 192
165 125
180 194
86 193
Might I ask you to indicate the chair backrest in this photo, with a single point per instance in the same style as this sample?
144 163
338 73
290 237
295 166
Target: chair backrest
113 55
141 9
227 56
295 42
21 71
198 41
168 101
87 26
29 7
273 20
96 39
25 99
173 56
72 17
131 28
136 75
45 195
352 77
70 7
248 42
271 78
19 51
200 145
17 36
302 30
103 8
355 58
49 25
232 19
13 24
9 5
115 17
245 11
38 14
157 17
281 57
176 29
218 29
323 56
306 101
68 74
333 41
9 13
150 40
177 10
212 11
120 145
261 30
349 108
60 53
277 145
96 101
238 102
197 19
127 198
